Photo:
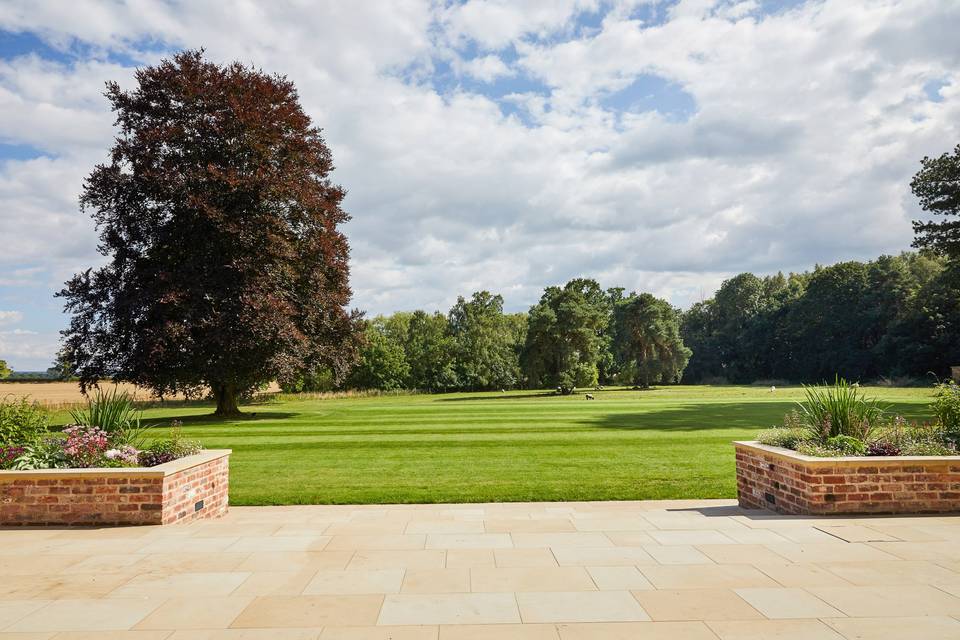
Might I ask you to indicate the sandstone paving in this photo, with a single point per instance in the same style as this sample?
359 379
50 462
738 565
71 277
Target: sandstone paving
644 570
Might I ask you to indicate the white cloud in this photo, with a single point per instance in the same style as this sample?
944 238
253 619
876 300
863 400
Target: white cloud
487 68
807 126
10 317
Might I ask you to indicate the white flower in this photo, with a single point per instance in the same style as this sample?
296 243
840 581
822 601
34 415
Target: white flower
112 454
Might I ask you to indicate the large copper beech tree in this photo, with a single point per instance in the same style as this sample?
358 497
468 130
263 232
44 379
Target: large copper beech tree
225 267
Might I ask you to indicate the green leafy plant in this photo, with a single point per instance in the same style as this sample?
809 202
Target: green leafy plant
946 408
46 452
847 445
115 412
839 409
21 421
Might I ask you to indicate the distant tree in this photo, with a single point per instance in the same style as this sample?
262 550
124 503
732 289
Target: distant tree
61 368
647 340
382 364
937 185
429 349
226 268
700 334
567 335
830 330
4 370
927 340
483 349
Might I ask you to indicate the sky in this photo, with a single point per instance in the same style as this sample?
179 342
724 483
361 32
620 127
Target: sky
656 145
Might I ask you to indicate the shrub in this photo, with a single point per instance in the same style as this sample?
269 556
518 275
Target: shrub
839 409
21 421
946 408
311 382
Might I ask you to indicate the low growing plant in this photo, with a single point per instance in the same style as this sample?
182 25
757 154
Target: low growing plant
847 445
44 453
786 437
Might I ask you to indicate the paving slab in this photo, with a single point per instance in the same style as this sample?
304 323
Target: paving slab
644 570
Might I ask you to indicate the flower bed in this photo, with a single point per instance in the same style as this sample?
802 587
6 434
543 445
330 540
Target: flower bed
788 482
840 452
181 490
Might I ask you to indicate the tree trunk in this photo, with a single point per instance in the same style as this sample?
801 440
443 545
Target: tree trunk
227 401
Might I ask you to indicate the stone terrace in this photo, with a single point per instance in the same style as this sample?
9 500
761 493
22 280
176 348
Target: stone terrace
548 571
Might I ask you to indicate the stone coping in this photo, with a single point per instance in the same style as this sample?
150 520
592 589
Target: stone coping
842 461
159 471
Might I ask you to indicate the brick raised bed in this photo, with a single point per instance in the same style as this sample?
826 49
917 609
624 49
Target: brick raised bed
182 490
784 481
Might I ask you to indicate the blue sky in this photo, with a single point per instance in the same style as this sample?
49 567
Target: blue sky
660 146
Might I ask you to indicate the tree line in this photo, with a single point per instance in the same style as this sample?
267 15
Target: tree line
896 316
577 335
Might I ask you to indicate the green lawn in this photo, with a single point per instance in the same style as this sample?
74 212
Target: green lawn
668 443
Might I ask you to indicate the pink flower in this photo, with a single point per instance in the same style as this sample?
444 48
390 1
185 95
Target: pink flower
85 446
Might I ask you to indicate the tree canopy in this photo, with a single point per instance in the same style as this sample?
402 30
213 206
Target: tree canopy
4 370
893 316
647 342
566 335
937 185
226 268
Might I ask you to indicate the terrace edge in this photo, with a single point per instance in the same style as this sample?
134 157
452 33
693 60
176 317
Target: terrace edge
787 482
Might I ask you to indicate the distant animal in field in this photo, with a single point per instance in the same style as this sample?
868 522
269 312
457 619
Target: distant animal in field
589 396
773 388
503 390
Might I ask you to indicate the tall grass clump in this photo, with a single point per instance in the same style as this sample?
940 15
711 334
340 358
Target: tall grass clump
840 409
114 412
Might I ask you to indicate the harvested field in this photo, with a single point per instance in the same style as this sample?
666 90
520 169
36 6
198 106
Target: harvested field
65 394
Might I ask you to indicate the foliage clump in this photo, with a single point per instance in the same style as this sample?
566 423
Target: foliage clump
838 420
106 433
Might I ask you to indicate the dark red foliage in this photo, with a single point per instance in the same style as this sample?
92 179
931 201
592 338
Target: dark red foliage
226 266
8 454
882 449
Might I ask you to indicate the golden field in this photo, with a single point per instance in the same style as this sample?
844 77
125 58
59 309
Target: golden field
62 394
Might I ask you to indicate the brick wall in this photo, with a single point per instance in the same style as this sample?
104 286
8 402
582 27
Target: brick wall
787 482
185 489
